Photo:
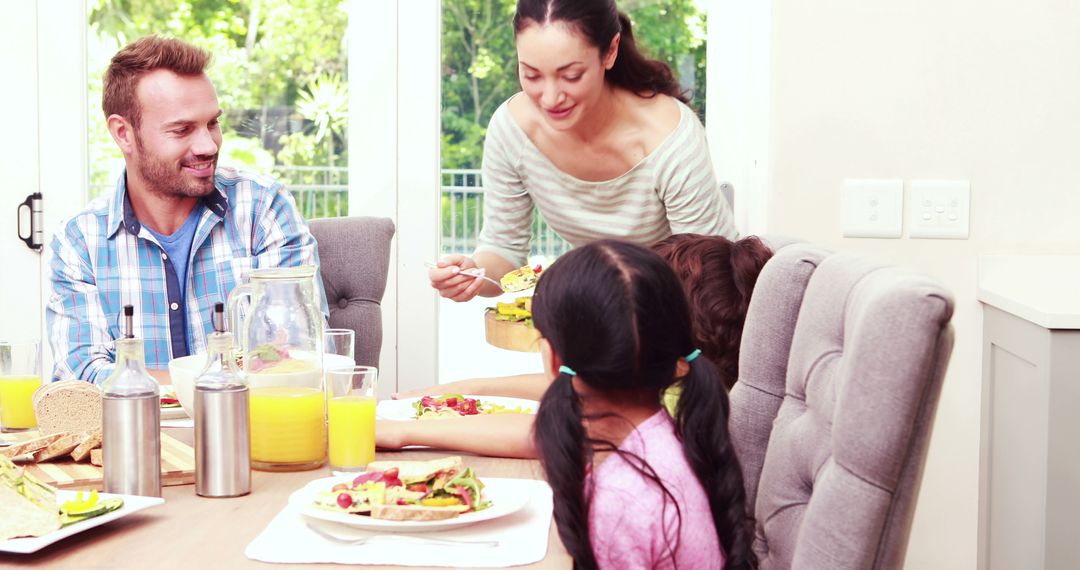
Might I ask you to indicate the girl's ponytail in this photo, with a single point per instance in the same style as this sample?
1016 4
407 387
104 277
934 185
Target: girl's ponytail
565 451
701 419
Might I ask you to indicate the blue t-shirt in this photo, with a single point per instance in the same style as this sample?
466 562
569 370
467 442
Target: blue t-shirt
178 247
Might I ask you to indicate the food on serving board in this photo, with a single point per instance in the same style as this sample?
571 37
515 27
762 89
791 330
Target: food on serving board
521 278
53 446
455 405
408 490
68 405
30 507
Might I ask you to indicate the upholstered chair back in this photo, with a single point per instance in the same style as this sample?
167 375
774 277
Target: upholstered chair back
846 448
764 350
354 257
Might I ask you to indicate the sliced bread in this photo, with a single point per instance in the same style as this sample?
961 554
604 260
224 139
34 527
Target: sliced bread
62 446
29 446
89 443
68 405
95 457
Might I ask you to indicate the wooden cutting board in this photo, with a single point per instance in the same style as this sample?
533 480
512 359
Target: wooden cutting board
177 466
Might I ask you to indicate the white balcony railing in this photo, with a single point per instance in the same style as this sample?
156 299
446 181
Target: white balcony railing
323 192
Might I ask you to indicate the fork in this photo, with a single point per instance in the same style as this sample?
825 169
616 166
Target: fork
470 273
408 537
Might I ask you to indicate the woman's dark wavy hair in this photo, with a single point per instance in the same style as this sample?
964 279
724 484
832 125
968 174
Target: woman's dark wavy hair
598 21
616 314
718 276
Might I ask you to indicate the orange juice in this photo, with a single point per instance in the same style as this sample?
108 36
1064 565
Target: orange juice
16 401
352 431
288 428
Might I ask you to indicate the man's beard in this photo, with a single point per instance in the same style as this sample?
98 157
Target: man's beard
166 179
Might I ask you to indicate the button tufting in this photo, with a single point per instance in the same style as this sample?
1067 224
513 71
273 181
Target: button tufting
342 303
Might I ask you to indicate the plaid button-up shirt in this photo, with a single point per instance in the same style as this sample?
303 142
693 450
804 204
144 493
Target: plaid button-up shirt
103 259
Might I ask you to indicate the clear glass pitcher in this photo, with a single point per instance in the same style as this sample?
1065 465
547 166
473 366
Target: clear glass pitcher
279 335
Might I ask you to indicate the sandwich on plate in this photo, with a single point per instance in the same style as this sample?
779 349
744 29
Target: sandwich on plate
29 506
408 491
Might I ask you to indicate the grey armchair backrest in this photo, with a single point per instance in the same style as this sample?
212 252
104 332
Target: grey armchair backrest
848 441
764 351
354 257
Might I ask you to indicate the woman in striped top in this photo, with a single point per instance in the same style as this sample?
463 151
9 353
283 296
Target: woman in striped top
600 140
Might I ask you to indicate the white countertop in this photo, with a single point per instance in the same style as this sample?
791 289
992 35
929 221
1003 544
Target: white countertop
1043 289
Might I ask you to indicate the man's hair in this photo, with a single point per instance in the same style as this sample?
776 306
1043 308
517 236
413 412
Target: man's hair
138 58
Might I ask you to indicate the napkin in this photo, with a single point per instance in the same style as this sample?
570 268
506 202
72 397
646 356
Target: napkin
522 535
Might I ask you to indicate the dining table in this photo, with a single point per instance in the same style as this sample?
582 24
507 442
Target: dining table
197 533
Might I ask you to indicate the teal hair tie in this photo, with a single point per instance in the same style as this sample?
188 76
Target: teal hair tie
693 355
567 370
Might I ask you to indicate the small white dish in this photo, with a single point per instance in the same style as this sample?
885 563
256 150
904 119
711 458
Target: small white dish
403 409
132 503
507 496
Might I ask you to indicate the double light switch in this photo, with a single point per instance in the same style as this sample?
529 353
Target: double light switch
935 208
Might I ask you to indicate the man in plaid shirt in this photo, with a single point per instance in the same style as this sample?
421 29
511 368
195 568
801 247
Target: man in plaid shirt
177 234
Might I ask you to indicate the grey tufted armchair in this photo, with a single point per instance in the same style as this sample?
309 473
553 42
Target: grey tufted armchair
354 257
846 423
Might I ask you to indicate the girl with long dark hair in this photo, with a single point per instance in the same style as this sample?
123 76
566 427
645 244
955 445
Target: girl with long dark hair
600 140
635 487
718 276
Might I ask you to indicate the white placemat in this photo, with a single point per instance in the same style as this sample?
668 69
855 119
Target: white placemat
522 537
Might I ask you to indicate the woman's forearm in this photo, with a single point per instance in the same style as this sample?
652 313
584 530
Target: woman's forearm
497 435
528 386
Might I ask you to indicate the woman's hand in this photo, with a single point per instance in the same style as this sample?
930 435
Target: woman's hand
446 278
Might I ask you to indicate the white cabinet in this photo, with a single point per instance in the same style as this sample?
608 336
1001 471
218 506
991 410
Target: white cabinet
1029 488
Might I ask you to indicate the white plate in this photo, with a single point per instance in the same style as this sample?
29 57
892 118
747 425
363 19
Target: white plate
403 409
507 496
132 503
173 413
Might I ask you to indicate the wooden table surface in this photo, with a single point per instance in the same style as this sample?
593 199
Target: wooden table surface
198 533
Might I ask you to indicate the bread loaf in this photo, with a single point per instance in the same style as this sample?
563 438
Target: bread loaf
68 405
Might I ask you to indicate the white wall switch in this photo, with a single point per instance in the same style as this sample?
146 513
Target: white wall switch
939 209
873 208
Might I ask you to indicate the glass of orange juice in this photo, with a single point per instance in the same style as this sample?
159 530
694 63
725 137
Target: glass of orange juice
20 377
350 399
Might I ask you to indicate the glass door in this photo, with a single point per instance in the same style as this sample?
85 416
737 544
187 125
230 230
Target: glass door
479 63
41 47
280 68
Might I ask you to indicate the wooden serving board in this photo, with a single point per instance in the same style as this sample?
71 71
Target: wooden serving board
177 466
510 335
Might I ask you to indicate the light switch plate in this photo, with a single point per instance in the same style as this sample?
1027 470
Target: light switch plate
939 209
873 208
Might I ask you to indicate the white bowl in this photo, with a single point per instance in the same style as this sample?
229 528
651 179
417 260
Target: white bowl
183 371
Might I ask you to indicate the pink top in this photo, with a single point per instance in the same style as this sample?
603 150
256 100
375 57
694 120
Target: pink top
632 523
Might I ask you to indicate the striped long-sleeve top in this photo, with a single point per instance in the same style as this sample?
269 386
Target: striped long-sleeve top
104 258
671 190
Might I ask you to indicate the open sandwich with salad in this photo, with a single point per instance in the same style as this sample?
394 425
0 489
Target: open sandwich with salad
30 506
408 491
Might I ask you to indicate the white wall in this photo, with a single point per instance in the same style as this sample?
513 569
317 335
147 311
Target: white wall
983 91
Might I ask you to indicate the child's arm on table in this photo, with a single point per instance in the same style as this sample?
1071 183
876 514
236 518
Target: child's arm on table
528 386
497 435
